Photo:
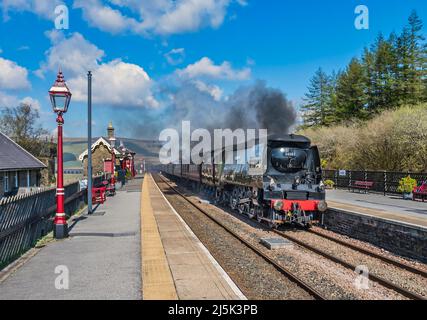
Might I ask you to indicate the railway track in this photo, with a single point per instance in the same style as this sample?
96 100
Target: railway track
284 271
384 282
380 280
371 253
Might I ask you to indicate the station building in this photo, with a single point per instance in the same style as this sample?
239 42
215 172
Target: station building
102 155
20 171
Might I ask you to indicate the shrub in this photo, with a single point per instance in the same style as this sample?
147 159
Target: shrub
329 184
393 140
406 185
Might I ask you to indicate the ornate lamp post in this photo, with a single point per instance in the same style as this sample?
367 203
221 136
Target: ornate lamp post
60 97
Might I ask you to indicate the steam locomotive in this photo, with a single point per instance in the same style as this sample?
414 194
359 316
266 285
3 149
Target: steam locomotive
284 185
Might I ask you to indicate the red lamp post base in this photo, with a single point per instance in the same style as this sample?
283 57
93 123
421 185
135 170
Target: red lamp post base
60 226
60 231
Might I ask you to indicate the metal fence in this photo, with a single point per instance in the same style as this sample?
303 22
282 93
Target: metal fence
26 218
384 181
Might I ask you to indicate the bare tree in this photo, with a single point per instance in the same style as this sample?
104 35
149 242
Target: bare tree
20 124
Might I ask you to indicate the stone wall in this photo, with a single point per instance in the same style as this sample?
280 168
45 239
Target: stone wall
400 238
100 153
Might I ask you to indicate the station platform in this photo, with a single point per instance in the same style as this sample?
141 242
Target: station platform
175 264
386 207
99 260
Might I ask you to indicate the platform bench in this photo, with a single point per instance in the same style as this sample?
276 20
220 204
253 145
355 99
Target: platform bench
98 195
361 185
420 192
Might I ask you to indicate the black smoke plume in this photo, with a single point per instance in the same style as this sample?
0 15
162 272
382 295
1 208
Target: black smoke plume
251 107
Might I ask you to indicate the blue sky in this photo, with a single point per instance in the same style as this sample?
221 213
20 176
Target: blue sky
138 49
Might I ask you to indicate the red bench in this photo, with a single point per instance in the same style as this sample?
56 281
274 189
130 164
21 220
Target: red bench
420 192
98 195
361 185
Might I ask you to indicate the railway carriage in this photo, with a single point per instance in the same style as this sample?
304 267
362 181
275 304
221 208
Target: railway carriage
282 183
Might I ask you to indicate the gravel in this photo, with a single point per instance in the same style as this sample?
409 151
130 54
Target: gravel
329 278
401 277
256 278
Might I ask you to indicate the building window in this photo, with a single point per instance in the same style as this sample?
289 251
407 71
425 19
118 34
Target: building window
16 181
6 182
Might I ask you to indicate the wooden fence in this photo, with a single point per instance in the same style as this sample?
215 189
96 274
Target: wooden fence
26 218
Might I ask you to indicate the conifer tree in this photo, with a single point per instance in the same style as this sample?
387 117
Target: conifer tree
317 107
351 94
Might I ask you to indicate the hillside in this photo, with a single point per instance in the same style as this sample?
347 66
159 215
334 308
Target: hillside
145 149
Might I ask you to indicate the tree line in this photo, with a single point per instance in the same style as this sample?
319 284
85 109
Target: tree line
389 74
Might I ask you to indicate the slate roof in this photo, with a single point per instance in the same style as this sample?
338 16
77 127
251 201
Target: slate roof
103 141
14 157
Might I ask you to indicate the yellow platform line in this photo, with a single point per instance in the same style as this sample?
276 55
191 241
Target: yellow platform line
157 281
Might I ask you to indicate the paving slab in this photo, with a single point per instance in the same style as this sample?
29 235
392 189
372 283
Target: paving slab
387 207
102 256
195 272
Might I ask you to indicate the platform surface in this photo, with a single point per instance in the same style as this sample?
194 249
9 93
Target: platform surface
102 256
387 207
195 273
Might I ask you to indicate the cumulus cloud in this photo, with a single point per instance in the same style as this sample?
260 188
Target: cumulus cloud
163 17
34 103
206 68
7 100
104 17
43 8
13 76
74 55
115 83
213 90
175 56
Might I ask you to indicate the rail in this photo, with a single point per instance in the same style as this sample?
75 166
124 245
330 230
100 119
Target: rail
301 283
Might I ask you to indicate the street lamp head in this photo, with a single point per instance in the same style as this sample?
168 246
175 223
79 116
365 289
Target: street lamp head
60 95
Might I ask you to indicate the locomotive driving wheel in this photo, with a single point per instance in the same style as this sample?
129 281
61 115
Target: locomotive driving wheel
272 224
259 215
251 213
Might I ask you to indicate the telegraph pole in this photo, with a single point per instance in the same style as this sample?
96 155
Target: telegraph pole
89 142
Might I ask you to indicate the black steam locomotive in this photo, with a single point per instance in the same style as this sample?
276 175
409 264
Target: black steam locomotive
282 186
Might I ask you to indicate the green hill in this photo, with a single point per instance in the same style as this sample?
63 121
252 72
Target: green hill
145 149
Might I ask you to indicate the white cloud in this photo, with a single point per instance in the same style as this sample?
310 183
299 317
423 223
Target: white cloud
7 100
13 76
34 103
43 8
190 15
74 55
215 91
175 56
143 17
118 84
164 17
206 68
11 101
115 83
104 17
